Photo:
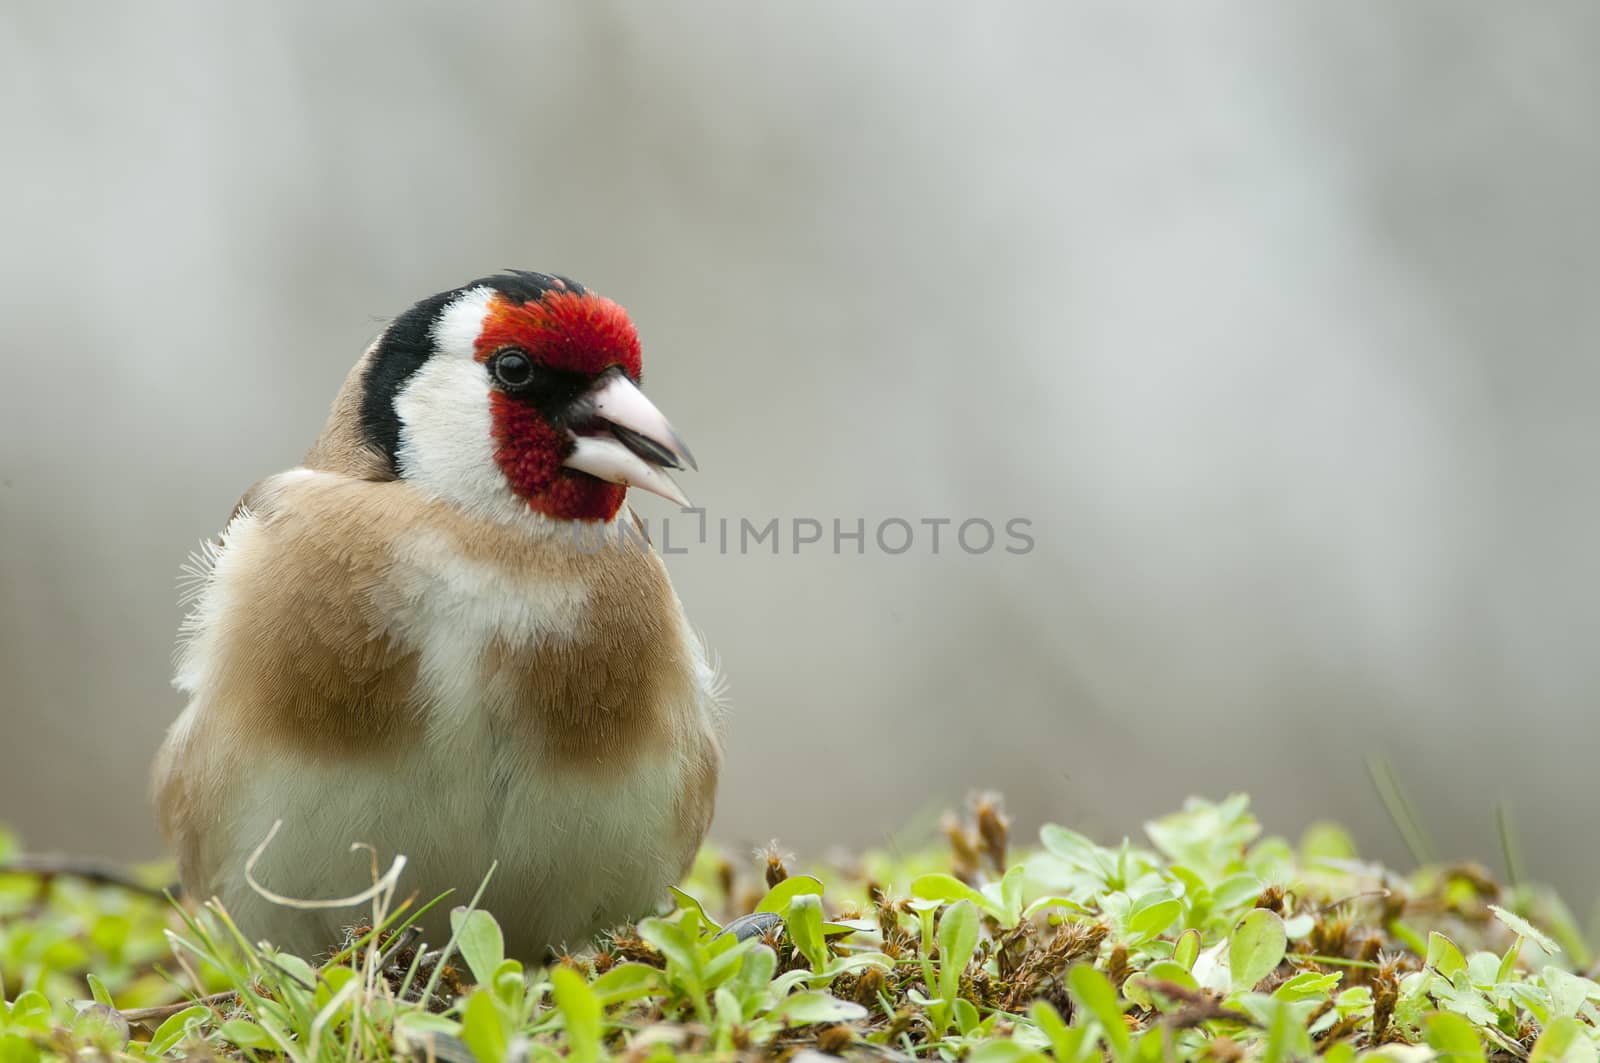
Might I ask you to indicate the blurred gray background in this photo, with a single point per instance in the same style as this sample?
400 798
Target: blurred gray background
1277 320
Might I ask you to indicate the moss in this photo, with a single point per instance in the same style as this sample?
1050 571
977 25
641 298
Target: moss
1211 943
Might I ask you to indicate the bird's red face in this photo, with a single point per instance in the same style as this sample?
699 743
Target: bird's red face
581 337
528 382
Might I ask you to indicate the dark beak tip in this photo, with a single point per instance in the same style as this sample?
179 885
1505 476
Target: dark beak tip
683 449
648 449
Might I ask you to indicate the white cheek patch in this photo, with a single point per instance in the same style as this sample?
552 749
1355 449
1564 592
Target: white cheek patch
447 437
446 425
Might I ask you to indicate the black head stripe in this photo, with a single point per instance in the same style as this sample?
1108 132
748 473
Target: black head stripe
408 342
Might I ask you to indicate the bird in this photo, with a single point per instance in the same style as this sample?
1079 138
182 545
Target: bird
411 644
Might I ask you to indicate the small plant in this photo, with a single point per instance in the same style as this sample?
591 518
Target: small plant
1211 943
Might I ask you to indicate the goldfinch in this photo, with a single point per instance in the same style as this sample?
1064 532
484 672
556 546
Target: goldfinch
433 638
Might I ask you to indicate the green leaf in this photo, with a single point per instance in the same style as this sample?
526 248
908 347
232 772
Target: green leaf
1255 948
1187 950
966 1015
1443 956
510 984
1065 1041
1563 1041
942 887
482 1028
172 1032
750 985
728 957
1343 1052
1011 895
690 903
1205 836
1352 1000
816 1006
1508 962
31 1011
778 897
1325 841
1408 937
245 1034
1522 928
1568 991
1236 891
805 929
958 937
1151 914
1003 1052
15 1048
1453 1038
426 1022
1094 993
1035 907
1068 845
480 942
98 989
580 1011
671 941
1151 1047
1144 987
1308 985
1287 1037
627 981
835 930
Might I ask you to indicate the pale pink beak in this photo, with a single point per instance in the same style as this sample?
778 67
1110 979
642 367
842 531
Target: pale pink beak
638 446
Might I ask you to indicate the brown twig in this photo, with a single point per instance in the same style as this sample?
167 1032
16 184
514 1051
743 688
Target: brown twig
1198 1007
99 872
167 1011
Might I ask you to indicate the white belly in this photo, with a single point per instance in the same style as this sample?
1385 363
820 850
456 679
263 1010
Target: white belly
574 855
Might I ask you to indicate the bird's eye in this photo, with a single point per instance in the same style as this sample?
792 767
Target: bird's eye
512 368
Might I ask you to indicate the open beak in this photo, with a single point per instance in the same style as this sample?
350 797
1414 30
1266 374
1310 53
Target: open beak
636 445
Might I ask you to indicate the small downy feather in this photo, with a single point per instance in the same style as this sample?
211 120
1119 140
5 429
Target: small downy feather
196 576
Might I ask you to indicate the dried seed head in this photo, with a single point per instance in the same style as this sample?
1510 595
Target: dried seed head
1365 951
963 846
901 1023
1330 935
868 986
835 1039
1224 1049
776 869
1074 940
1271 899
994 829
1117 968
